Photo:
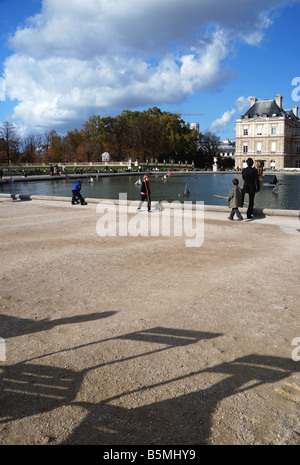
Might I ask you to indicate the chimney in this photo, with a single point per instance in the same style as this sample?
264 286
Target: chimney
278 99
253 100
295 110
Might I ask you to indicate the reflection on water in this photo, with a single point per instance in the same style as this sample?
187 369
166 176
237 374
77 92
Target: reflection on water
202 187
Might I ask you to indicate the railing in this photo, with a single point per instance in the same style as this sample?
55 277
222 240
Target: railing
98 163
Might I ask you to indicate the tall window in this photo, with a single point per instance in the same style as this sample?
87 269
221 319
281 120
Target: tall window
298 148
259 130
245 132
273 130
258 147
273 147
245 148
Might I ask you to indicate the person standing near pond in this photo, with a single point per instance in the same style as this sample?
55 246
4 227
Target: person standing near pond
251 185
145 193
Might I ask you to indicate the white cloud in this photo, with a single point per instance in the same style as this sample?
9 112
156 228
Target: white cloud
223 121
242 104
2 90
77 58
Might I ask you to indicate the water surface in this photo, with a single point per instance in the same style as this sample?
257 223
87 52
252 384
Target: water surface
202 187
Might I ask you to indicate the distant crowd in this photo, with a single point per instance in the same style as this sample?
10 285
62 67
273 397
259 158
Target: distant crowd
55 170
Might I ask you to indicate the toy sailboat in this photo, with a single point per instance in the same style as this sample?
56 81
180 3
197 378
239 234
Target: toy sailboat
186 191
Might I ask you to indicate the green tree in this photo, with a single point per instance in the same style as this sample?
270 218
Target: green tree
94 130
144 135
92 138
147 136
116 136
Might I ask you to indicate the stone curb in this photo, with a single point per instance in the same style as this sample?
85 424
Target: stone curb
188 206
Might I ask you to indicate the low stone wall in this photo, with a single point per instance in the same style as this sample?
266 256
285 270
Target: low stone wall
215 208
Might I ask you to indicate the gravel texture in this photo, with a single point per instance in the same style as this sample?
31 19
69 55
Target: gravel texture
142 340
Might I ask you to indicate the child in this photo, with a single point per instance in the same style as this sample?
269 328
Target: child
235 199
145 193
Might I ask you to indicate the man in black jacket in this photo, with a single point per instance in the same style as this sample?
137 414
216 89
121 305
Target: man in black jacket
251 185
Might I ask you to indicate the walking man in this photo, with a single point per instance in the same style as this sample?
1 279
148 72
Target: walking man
251 185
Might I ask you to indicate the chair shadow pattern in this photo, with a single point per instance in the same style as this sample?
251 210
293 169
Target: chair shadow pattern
29 388
11 326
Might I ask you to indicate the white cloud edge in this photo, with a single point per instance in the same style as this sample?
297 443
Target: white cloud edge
242 104
63 97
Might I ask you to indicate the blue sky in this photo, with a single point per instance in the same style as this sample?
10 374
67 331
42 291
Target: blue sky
61 62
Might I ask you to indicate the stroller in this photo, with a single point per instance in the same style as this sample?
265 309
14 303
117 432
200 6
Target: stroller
76 195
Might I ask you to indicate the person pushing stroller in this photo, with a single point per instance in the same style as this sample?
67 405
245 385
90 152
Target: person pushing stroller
76 195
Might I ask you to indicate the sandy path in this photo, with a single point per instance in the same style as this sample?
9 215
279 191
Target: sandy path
145 341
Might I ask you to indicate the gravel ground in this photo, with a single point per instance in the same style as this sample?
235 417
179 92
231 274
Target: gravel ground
142 340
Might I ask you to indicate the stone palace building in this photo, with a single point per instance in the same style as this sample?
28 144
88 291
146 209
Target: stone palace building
268 133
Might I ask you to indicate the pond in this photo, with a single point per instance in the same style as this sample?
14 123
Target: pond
202 187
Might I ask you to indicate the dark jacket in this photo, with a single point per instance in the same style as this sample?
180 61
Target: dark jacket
76 186
251 181
145 188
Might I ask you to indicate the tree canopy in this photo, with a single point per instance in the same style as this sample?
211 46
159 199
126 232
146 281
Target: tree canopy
140 135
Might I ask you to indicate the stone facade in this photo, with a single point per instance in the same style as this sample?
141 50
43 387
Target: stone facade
227 148
268 133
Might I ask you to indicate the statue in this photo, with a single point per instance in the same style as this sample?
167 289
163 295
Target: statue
215 166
